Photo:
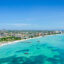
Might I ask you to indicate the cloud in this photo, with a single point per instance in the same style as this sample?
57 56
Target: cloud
17 25
28 26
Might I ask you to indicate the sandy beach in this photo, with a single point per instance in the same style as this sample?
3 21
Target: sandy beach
7 43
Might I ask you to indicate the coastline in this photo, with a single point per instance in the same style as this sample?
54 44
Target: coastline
7 43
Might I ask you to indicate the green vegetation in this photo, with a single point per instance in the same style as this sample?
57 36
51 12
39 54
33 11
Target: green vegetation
11 38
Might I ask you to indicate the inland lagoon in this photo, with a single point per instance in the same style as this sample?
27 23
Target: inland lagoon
43 50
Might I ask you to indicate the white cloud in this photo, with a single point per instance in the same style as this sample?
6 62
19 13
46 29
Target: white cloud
17 25
26 26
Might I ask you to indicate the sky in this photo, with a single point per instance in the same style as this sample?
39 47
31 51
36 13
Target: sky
31 14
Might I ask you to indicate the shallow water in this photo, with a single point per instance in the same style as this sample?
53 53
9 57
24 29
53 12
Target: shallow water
44 50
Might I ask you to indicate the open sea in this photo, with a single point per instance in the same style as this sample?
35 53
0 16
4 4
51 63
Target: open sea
43 50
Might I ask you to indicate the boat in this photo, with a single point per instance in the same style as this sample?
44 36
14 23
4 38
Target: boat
29 42
38 41
26 53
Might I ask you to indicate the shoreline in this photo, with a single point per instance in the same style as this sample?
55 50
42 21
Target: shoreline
7 43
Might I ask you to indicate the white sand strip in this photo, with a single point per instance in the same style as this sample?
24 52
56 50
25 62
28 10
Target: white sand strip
6 43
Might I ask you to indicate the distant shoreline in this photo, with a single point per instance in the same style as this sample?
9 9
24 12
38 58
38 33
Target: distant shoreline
7 43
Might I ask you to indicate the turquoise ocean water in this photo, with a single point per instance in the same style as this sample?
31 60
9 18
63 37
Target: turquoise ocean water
43 50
